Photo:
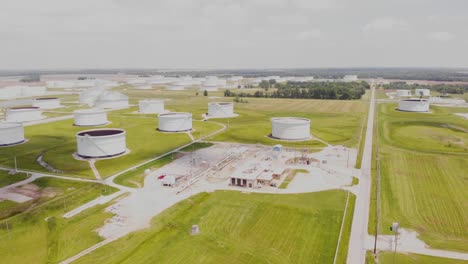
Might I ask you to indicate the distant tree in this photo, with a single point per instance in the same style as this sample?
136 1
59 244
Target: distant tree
272 82
238 86
205 93
264 84
196 93
32 78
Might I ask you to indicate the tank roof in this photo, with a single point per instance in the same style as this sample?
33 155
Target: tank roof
290 120
101 132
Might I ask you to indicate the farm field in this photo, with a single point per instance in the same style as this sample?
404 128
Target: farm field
424 186
236 228
37 233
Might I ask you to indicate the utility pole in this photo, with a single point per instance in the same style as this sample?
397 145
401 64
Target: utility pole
395 226
16 165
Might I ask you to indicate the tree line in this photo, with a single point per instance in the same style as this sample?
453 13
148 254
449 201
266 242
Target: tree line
308 90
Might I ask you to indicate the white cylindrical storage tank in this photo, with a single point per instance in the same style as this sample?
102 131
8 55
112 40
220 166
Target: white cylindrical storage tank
403 93
177 86
11 134
422 92
47 103
153 106
211 84
23 114
112 100
414 105
90 117
101 143
220 109
90 96
175 122
290 128
143 87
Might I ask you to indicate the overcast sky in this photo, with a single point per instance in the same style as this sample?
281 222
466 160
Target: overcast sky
64 34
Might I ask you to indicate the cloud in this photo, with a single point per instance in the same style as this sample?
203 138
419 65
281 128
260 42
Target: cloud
441 36
385 24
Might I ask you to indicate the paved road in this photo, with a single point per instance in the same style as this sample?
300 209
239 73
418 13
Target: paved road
357 242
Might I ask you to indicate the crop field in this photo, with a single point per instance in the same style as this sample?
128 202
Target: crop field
37 233
236 228
424 161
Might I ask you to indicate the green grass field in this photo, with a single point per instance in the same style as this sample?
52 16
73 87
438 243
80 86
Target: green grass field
387 258
334 121
6 179
424 161
236 228
57 141
37 233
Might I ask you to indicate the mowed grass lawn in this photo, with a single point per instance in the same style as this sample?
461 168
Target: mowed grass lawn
37 232
236 228
334 121
424 176
57 141
7 179
387 258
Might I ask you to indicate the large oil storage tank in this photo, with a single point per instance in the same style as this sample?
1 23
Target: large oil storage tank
414 105
403 93
422 92
210 84
220 109
90 96
176 86
290 128
11 134
152 106
175 122
101 143
23 114
46 103
90 117
111 99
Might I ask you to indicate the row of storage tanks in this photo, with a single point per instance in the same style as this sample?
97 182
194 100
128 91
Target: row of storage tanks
209 83
12 92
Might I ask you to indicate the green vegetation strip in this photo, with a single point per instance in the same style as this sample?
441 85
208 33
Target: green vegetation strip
236 228
387 258
38 233
7 179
